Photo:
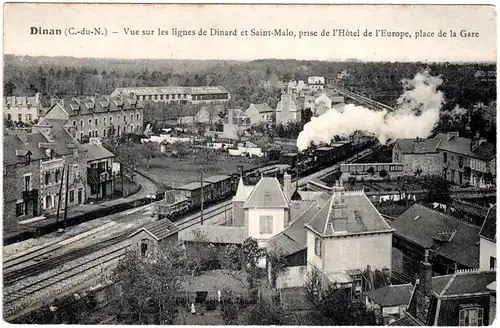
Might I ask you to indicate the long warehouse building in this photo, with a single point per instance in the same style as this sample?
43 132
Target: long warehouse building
193 95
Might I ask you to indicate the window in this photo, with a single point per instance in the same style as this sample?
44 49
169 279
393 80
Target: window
471 315
266 224
137 116
131 117
104 121
19 117
111 120
74 123
27 182
58 175
460 161
104 133
493 263
46 202
47 178
93 189
81 136
90 122
71 196
96 133
144 248
95 121
445 157
19 209
317 246
90 134
81 123
9 117
28 117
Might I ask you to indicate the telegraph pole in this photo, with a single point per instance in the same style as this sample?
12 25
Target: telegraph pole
201 214
66 200
60 194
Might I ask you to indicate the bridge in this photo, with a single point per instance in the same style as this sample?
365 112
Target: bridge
363 100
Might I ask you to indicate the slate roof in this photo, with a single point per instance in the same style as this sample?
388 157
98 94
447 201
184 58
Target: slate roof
55 123
462 146
262 108
368 220
242 192
489 228
219 234
294 239
463 247
216 178
96 152
406 321
408 145
461 283
267 194
392 295
91 105
61 139
159 229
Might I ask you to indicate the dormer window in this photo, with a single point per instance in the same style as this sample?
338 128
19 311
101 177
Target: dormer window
27 158
471 315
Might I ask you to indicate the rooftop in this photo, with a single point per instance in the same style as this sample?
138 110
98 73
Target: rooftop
193 185
462 146
411 145
462 283
216 178
91 105
96 152
170 90
159 229
267 194
392 295
420 224
489 228
262 108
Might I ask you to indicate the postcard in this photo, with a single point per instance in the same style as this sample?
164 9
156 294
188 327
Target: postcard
249 164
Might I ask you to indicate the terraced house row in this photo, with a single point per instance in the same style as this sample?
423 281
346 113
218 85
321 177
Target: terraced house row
100 117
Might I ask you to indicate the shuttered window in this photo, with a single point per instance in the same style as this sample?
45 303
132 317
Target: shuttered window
266 224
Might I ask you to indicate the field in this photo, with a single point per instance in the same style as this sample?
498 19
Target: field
174 172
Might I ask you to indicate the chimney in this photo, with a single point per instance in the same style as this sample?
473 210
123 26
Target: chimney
287 185
38 98
450 135
426 275
338 218
419 145
230 113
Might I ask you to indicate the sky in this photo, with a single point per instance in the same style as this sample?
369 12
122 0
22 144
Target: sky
19 18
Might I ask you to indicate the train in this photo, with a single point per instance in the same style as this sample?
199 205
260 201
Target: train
188 198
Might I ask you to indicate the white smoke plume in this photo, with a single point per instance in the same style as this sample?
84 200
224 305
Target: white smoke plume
416 114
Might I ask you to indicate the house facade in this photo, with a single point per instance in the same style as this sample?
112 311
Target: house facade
487 241
260 113
22 109
235 124
317 83
36 165
418 156
287 110
345 236
465 160
100 117
100 175
183 95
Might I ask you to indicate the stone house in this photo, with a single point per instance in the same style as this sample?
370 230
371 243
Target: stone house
100 176
260 113
465 160
99 116
33 173
22 109
418 156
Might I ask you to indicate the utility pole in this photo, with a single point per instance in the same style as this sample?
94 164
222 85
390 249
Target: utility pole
121 173
60 194
66 200
201 197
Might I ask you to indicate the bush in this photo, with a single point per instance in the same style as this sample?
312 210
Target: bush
383 173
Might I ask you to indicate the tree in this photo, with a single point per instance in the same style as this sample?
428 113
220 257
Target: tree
265 314
180 149
336 304
383 173
144 286
277 262
129 155
370 170
205 156
148 151
229 309
313 287
439 191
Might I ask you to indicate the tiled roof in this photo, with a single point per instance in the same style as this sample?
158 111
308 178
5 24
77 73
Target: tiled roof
96 152
361 216
11 143
462 248
243 191
218 234
266 194
293 238
409 146
407 321
489 228
160 229
392 295
462 146
216 178
55 123
170 90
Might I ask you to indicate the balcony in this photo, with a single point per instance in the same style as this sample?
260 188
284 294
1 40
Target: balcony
98 175
30 194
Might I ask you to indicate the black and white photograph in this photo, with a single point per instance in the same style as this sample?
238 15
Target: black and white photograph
220 165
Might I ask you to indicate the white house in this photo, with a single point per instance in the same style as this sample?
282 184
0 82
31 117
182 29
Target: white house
487 241
345 236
